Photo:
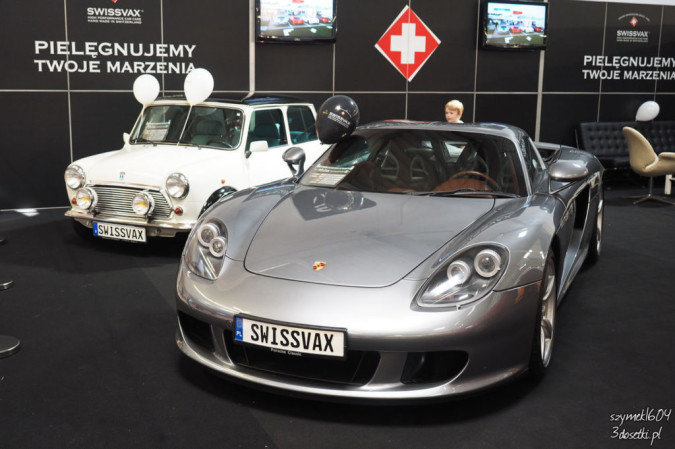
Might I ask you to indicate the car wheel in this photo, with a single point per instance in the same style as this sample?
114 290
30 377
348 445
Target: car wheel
595 244
544 332
82 231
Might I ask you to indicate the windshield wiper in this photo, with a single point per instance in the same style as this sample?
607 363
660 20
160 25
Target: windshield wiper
144 140
460 192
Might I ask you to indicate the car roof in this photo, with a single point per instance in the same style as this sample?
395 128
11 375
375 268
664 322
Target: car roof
249 100
501 129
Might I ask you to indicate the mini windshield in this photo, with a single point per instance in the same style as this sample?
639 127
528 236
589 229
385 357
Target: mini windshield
421 161
199 125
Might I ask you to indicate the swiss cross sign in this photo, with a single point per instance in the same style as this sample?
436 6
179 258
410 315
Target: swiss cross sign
408 43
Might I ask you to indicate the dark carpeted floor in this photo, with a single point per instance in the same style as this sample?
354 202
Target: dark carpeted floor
99 368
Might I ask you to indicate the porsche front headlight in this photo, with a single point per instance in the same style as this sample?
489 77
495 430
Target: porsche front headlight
205 251
74 176
468 276
177 185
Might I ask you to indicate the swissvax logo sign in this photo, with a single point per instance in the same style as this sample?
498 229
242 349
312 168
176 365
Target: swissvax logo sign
114 13
631 28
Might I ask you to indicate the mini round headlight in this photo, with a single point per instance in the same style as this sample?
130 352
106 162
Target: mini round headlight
142 204
74 177
85 198
487 263
458 272
177 185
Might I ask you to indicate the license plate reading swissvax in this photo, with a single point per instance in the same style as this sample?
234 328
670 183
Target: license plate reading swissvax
120 232
290 340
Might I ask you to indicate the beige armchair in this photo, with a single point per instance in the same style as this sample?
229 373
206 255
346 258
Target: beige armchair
645 162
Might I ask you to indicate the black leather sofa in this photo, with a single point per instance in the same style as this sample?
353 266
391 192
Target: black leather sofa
605 140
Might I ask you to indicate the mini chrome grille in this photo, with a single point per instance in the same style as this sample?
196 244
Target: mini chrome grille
116 202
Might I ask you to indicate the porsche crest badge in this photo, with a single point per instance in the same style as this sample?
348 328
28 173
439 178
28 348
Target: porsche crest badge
318 266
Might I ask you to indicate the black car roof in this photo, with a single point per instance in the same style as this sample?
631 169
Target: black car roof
250 100
485 127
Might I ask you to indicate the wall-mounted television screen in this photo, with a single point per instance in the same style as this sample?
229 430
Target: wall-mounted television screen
295 20
518 25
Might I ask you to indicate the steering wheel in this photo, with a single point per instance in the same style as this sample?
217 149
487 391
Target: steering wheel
222 143
469 173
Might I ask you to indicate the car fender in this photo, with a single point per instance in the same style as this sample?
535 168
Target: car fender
525 226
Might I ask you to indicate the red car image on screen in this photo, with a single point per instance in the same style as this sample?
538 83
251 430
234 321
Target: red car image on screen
296 20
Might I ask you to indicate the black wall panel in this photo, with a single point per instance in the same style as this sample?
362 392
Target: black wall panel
219 30
300 67
512 109
358 64
117 110
69 80
34 140
571 36
452 66
21 25
561 115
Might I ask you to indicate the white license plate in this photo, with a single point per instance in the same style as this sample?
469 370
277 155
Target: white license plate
290 340
120 232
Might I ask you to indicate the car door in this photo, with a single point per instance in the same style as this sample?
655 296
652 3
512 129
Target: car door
267 125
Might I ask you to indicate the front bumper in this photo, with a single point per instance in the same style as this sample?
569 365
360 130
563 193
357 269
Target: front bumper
153 229
449 352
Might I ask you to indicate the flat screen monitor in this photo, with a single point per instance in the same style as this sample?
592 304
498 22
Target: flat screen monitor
295 20
514 25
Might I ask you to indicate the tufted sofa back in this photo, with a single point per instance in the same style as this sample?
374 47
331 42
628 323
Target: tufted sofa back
605 140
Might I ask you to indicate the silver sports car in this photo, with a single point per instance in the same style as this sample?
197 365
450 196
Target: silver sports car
411 261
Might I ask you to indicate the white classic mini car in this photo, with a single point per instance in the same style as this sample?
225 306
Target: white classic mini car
182 155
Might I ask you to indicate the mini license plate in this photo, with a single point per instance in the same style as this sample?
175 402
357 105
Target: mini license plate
288 339
120 232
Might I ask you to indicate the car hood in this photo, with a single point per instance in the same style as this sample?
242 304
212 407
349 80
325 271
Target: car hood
353 239
146 164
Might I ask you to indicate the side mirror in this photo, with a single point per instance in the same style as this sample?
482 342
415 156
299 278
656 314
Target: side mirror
566 172
295 156
125 139
258 146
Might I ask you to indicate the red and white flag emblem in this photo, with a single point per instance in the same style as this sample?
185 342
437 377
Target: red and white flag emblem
408 43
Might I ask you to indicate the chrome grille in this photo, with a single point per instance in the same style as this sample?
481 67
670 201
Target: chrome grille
116 202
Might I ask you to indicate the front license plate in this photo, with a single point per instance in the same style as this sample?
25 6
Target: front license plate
120 232
290 340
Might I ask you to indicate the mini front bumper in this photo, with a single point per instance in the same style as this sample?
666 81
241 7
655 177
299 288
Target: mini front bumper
495 334
153 228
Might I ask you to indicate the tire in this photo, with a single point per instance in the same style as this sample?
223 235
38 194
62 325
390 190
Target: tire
544 331
595 244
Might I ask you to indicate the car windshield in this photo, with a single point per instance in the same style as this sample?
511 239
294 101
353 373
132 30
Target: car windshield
421 161
199 125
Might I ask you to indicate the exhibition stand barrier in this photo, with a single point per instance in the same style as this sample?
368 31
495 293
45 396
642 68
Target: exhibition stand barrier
8 345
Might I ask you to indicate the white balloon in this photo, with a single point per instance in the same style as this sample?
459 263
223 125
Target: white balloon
198 86
647 111
146 89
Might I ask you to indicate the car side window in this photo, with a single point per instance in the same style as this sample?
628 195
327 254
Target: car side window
268 125
534 164
301 124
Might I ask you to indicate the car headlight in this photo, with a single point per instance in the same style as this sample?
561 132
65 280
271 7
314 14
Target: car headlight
468 276
177 185
143 203
74 177
86 198
205 250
